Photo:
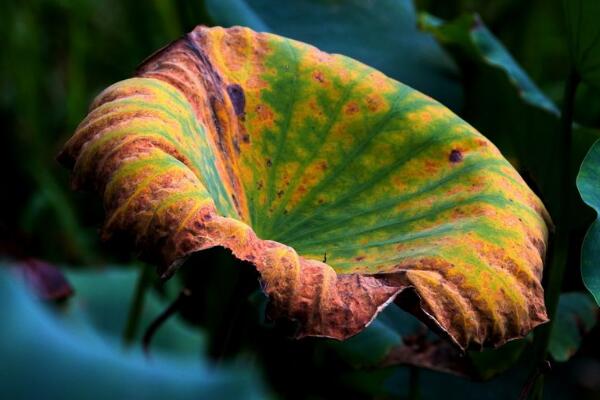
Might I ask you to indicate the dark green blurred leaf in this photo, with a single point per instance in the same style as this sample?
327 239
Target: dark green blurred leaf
583 36
587 105
472 36
489 363
588 183
372 346
398 338
103 298
42 357
507 107
393 383
381 33
576 315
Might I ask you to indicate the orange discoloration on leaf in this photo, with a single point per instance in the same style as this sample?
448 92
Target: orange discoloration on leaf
282 153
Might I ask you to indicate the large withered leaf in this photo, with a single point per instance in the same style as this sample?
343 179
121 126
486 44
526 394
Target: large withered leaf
343 187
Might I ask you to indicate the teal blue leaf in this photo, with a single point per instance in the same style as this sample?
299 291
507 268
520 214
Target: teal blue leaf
381 33
588 183
103 298
371 347
44 357
576 315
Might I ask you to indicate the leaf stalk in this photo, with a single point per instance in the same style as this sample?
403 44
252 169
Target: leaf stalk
558 254
136 306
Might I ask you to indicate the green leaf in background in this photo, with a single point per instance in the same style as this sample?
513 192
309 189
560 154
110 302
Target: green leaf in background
577 314
588 183
381 33
398 338
43 357
490 363
102 300
532 144
583 36
393 383
472 36
371 346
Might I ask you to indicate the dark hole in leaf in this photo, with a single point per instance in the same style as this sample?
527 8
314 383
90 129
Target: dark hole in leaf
455 156
238 99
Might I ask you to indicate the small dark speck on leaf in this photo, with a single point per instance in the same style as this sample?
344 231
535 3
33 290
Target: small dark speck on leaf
269 163
455 156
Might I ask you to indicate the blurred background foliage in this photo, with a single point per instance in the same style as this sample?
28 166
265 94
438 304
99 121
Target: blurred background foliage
503 71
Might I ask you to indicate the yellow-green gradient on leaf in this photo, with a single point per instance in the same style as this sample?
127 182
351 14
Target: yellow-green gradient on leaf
342 186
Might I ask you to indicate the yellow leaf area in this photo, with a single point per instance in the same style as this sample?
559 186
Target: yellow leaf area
289 156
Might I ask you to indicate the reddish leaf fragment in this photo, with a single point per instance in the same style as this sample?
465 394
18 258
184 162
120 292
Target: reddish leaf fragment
46 281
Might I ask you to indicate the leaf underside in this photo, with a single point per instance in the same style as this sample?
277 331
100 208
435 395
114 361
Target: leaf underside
289 156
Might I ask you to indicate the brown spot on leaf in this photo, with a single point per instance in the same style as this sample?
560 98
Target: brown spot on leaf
318 75
351 108
373 103
431 167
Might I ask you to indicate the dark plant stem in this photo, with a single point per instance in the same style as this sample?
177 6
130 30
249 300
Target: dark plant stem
137 305
413 383
535 381
173 308
560 244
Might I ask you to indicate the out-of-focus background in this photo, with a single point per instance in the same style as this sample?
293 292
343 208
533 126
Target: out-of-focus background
501 66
